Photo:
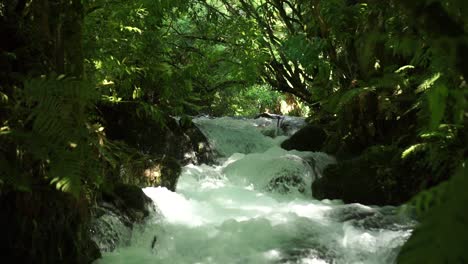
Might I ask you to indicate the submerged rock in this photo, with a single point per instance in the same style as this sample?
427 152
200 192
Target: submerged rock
287 183
277 125
309 138
367 217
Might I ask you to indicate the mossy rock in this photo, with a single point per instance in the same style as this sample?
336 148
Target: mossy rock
308 138
180 139
343 148
160 172
117 212
170 172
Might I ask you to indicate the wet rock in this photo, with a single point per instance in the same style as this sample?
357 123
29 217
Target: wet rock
286 184
192 143
272 132
294 178
133 201
377 218
350 212
129 201
291 124
110 230
309 138
117 214
320 253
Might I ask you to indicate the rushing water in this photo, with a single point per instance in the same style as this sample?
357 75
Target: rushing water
256 207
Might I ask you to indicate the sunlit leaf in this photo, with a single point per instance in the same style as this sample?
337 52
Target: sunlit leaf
437 97
412 149
428 82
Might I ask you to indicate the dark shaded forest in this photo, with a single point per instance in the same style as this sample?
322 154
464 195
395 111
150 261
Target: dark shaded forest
86 86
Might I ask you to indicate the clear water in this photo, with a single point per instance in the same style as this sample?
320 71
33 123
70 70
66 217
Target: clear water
256 207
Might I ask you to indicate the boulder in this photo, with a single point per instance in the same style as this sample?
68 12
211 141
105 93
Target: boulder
309 138
195 148
367 179
116 215
168 136
388 175
159 172
132 201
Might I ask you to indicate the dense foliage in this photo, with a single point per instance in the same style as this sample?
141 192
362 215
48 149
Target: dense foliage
373 72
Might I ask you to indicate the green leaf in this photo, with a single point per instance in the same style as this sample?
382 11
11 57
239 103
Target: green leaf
428 83
404 68
442 235
412 149
437 97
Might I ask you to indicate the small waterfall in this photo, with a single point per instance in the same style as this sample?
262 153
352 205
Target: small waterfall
255 206
228 136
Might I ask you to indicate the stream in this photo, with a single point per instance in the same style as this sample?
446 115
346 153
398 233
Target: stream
256 206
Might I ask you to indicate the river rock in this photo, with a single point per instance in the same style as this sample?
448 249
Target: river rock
116 214
367 179
286 184
132 200
175 137
388 175
291 124
309 138
159 172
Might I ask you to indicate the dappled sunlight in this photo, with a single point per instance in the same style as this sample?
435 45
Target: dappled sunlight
230 113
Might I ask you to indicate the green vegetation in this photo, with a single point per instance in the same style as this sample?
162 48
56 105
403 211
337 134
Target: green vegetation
372 73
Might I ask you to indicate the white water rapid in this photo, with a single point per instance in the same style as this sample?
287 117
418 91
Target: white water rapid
255 207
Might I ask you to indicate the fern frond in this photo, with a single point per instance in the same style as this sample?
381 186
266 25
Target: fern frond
426 200
442 235
60 138
339 100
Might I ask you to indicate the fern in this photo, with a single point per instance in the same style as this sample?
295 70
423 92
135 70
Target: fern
426 200
339 100
56 131
442 235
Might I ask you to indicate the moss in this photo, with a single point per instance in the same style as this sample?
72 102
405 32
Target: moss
162 172
163 138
